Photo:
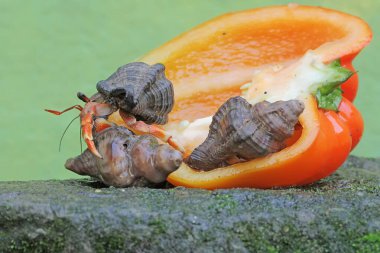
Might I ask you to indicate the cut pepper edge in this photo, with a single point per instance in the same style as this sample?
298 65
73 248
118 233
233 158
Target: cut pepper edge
357 35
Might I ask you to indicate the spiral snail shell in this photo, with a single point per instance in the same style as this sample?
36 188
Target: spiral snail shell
126 158
241 131
141 90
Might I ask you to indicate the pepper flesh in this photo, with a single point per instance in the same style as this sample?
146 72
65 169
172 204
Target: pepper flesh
353 119
229 51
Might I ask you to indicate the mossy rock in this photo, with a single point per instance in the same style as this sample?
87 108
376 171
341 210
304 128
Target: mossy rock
338 214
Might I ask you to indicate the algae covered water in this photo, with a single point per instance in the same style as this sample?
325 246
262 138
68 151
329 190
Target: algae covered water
50 50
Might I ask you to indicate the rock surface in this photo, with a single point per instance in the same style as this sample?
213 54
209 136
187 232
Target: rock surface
338 214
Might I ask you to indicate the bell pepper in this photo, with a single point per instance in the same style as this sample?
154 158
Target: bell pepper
209 63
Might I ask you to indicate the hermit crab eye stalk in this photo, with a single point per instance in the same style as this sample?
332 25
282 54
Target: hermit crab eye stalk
83 97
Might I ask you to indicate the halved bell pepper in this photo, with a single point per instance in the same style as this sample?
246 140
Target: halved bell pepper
209 63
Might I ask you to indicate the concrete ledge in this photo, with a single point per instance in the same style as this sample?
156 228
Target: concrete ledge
338 214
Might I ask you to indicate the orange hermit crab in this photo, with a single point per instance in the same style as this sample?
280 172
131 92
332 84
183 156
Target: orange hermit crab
142 95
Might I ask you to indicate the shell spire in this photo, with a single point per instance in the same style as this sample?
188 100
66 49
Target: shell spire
84 164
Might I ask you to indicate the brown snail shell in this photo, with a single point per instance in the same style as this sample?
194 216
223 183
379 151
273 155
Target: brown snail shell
240 130
126 158
141 90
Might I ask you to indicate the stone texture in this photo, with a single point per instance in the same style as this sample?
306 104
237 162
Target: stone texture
338 214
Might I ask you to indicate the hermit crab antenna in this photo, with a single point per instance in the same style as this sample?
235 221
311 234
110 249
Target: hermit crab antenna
83 97
64 132
80 139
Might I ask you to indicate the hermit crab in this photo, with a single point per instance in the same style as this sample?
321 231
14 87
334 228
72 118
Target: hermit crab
140 95
139 92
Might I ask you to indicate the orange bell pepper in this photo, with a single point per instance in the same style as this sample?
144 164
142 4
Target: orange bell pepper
208 64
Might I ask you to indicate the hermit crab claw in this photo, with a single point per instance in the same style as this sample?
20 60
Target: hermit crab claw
126 158
241 131
88 124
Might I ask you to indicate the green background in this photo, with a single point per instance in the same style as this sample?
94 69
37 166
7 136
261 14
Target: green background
52 49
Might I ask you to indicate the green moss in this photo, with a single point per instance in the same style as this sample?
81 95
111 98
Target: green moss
29 236
368 244
112 242
224 202
158 226
253 238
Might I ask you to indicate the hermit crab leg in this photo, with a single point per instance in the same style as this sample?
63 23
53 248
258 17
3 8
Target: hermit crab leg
140 127
89 112
102 124
78 107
